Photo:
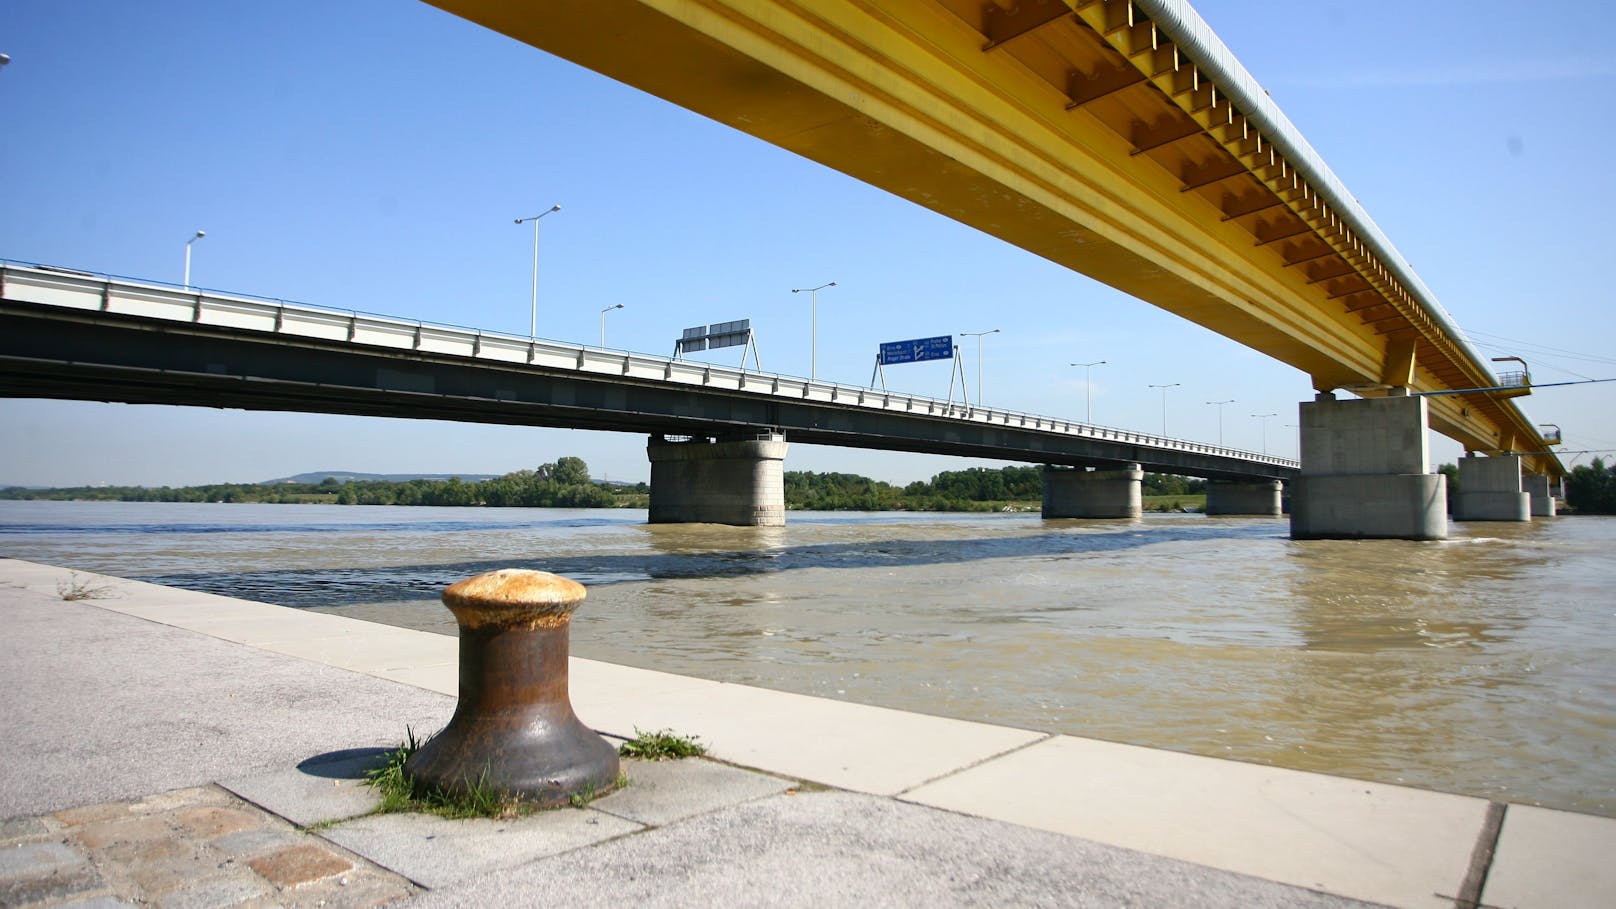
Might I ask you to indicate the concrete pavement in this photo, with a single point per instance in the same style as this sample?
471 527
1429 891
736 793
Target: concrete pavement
160 709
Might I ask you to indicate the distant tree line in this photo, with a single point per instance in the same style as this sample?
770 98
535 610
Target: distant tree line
562 484
566 484
1591 488
975 489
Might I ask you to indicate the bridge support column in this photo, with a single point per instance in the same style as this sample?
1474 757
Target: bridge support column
1365 472
1260 497
739 481
1490 490
1080 493
1542 492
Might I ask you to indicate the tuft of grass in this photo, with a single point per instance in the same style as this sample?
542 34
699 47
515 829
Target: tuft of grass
76 589
481 798
400 792
663 745
590 793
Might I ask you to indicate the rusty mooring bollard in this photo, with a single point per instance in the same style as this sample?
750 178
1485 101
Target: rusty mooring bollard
513 729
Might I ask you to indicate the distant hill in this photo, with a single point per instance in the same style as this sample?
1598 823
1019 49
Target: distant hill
349 476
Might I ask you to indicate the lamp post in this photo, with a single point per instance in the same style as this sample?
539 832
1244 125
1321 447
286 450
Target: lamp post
199 235
1220 418
1264 418
1164 403
1088 398
813 331
603 322
533 322
1523 378
978 336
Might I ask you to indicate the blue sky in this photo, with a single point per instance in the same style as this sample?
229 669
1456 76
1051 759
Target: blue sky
373 154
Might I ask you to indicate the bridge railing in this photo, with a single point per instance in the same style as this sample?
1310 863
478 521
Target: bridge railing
106 293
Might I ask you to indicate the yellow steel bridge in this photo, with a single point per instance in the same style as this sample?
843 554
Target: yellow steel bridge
1120 139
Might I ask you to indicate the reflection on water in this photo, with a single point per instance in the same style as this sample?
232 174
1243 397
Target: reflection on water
1481 665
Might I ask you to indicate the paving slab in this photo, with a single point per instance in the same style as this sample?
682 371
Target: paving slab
846 849
1552 858
102 707
1385 844
443 678
836 743
375 655
321 789
661 792
185 849
436 853
608 692
40 872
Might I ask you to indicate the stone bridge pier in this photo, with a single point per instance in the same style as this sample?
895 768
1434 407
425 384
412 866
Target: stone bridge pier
1366 472
1244 497
1490 490
1075 492
1541 489
737 480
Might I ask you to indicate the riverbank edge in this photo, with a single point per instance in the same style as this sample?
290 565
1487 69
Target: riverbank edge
1369 841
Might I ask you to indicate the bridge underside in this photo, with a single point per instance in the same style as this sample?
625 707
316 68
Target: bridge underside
1076 130
93 356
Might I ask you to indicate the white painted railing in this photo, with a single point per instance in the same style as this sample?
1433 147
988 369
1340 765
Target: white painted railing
83 290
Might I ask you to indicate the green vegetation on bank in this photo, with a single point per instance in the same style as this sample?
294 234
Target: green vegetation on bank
566 484
1591 488
562 484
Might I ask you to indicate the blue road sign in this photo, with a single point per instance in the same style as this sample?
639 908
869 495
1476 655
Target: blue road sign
938 348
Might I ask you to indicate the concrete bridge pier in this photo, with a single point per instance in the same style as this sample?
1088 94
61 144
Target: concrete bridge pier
1365 472
738 480
1490 490
1542 492
1253 497
1079 493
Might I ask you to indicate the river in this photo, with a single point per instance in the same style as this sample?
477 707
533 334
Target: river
1484 665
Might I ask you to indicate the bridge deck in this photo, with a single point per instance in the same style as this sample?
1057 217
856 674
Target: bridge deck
79 336
1115 137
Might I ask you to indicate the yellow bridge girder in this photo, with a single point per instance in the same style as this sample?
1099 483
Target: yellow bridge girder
1074 129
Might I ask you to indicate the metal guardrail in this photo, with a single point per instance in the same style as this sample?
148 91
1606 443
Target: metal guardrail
70 289
1515 379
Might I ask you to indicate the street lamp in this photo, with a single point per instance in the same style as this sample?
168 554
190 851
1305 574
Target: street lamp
533 322
1264 418
1164 403
199 235
978 336
1220 418
603 322
1088 398
813 332
1522 378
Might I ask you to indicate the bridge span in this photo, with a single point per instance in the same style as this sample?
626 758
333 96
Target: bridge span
717 434
1123 140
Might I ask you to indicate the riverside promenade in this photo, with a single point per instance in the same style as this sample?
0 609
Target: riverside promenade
179 749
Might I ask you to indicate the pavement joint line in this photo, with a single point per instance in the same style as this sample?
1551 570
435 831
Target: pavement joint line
1481 858
975 764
